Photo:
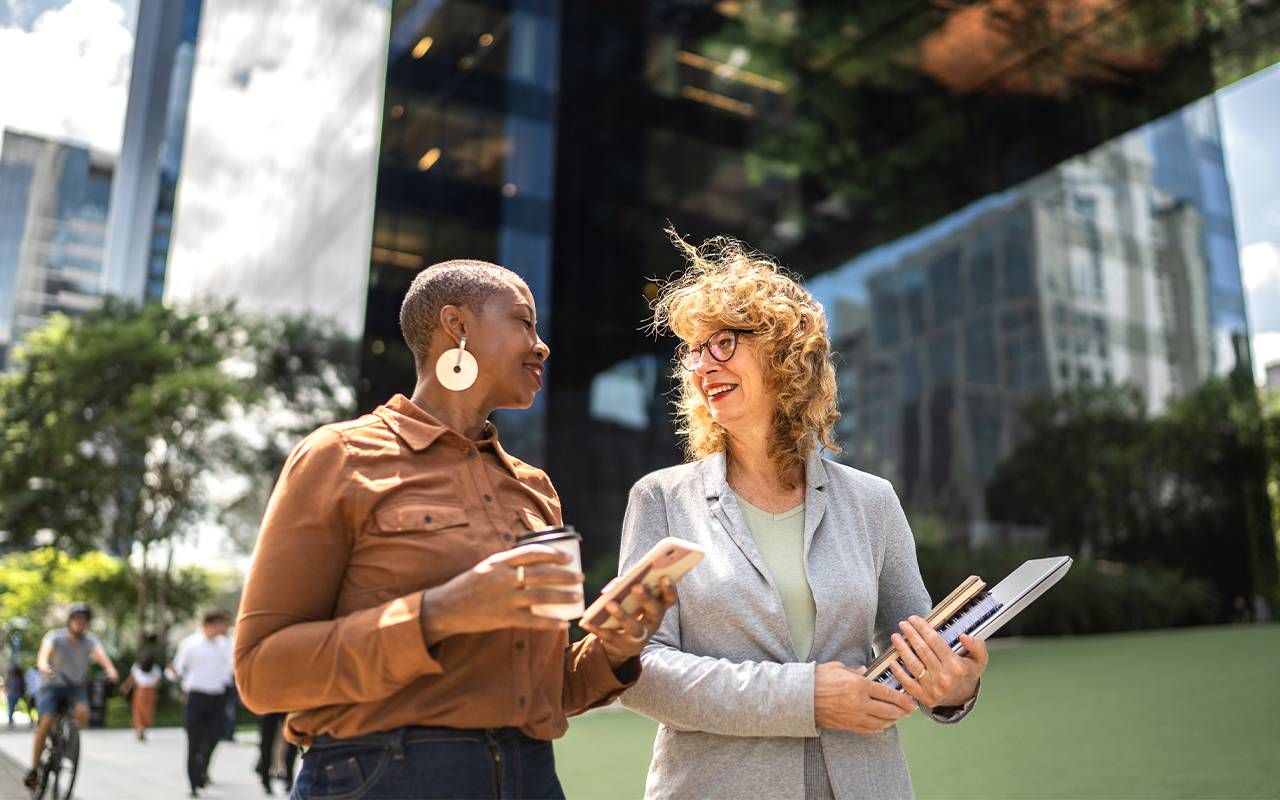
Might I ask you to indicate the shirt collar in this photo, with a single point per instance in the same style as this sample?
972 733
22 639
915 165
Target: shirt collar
420 430
716 484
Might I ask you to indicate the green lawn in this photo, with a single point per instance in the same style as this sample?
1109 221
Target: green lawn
1137 715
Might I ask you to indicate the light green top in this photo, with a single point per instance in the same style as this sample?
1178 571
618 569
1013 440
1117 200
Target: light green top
780 540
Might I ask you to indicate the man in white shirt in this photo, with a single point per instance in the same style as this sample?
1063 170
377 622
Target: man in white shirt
203 665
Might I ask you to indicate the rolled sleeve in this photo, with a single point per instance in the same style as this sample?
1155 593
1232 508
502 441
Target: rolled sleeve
290 653
590 680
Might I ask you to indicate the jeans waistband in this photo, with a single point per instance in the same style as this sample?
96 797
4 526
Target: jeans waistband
417 733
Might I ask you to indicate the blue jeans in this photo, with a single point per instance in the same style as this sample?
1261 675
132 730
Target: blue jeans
426 763
48 698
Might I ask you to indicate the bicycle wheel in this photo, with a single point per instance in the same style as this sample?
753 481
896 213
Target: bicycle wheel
64 777
47 771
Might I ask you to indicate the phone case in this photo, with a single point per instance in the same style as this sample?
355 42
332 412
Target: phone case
670 557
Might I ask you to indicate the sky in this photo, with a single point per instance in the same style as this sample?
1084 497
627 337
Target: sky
64 68
1250 113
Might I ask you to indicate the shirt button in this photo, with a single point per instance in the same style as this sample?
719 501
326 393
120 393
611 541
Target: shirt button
488 498
506 537
471 454
427 518
519 647
520 702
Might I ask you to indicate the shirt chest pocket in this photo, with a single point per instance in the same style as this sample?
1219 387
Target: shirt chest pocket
413 544
529 520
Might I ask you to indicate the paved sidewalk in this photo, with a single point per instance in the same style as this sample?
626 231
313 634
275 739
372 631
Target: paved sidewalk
11 773
115 766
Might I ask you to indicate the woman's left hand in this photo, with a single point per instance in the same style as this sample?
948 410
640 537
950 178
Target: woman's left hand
634 630
934 674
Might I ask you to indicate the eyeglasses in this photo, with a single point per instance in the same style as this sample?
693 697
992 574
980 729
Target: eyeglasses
721 345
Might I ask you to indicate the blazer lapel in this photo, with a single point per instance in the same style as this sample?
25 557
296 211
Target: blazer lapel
724 509
823 584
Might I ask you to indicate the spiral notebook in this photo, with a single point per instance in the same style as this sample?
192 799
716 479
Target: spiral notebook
979 612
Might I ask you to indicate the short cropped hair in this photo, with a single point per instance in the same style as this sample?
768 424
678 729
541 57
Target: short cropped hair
214 616
728 285
460 282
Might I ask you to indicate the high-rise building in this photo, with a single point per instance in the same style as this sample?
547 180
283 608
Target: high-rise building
151 152
1093 273
992 199
961 185
275 200
53 213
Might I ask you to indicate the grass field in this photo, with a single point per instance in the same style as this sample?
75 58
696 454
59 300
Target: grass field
1137 715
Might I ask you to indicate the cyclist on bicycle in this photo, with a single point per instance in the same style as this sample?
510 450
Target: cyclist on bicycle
63 661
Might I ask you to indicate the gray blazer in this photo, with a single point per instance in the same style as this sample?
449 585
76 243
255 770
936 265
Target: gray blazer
721 674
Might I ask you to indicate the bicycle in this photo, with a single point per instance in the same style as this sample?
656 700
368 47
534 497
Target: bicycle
60 760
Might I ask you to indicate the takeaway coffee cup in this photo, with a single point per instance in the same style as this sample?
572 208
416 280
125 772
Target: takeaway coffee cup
566 540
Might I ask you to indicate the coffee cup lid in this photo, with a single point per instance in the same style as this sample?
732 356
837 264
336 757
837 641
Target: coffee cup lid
549 535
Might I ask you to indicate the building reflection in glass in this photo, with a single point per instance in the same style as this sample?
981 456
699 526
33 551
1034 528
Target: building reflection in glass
1097 272
467 170
993 200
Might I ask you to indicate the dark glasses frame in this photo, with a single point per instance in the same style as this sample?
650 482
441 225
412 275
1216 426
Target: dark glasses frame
689 357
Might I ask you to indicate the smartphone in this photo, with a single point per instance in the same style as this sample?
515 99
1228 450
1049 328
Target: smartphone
671 558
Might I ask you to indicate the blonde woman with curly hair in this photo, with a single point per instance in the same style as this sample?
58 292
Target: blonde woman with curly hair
757 679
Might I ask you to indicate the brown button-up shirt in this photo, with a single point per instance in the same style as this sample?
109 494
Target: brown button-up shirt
366 515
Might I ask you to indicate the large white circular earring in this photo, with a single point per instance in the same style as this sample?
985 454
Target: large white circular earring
456 369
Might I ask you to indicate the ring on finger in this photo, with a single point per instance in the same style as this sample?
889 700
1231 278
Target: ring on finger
520 576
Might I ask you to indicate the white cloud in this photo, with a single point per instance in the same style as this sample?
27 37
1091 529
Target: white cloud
1260 270
1266 350
67 77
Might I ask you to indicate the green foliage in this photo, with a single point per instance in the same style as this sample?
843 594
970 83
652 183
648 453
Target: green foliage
1186 491
121 429
37 585
1094 597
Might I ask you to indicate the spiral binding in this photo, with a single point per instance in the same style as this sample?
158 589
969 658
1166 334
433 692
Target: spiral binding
979 610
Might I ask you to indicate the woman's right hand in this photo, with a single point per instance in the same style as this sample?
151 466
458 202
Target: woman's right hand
844 699
491 596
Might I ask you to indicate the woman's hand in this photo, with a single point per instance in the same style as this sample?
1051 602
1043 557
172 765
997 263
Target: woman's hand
634 630
934 674
843 699
497 593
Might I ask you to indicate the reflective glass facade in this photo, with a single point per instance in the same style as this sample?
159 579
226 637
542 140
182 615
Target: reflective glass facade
53 207
994 201
274 205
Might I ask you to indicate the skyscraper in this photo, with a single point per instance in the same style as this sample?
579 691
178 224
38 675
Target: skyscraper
151 154
275 200
53 213
1093 273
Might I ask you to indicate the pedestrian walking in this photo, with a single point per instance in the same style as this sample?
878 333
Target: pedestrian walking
15 688
276 754
203 666
144 684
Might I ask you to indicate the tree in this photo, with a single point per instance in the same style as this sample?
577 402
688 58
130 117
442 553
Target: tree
37 585
121 429
1187 489
1080 470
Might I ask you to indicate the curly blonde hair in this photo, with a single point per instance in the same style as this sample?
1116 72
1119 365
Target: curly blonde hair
728 285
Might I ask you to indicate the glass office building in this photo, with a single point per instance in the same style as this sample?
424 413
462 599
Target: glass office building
275 197
53 216
993 200
146 181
